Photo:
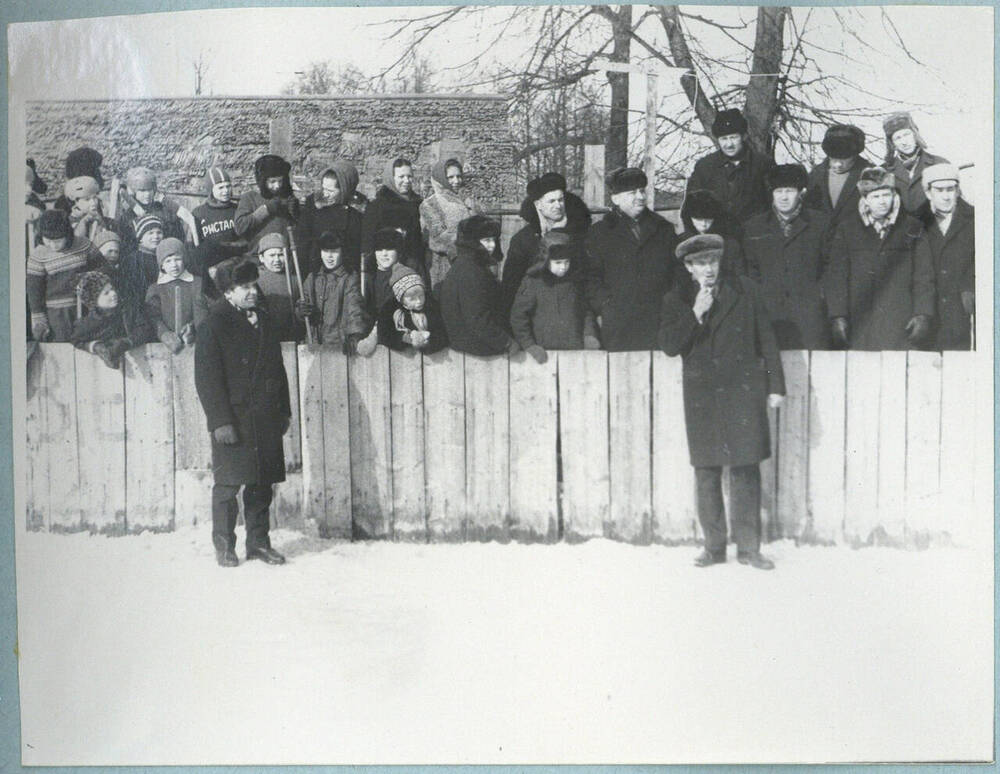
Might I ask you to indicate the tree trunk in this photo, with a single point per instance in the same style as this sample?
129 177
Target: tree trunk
762 91
681 55
617 144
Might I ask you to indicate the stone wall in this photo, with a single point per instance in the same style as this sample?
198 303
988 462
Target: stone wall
179 138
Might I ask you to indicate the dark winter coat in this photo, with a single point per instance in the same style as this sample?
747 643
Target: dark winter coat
390 209
471 306
389 332
818 192
340 309
161 304
552 311
911 186
790 271
261 212
165 209
878 285
281 305
217 237
107 327
953 257
731 365
522 252
740 188
241 381
627 278
340 218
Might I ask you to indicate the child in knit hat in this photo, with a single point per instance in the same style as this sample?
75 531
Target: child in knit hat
388 247
214 219
550 311
278 286
109 329
332 300
86 215
52 272
411 318
148 233
174 303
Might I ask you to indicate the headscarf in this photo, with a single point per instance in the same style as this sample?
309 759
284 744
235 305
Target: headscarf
439 172
347 178
389 181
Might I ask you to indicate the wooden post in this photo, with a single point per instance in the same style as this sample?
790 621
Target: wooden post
281 137
649 163
593 175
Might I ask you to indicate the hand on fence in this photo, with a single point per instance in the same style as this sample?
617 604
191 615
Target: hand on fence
285 422
350 345
226 435
838 329
40 331
172 340
366 346
419 339
969 301
591 342
304 310
917 328
513 347
119 347
538 353
774 400
104 351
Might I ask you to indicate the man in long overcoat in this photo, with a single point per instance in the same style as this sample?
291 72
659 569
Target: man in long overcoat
879 291
243 389
949 244
785 251
833 183
631 265
733 174
716 321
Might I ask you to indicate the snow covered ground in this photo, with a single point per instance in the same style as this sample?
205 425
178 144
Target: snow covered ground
140 650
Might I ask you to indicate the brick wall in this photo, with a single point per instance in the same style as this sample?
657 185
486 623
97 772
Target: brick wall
179 138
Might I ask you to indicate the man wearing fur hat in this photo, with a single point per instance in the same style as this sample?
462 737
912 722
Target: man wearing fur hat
716 321
548 205
879 291
272 207
833 182
243 388
949 244
733 174
631 260
215 220
470 294
906 156
785 250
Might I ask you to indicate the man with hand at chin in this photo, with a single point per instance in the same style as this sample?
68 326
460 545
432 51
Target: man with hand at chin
243 388
716 321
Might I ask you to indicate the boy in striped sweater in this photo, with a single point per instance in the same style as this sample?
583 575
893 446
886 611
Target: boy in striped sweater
52 272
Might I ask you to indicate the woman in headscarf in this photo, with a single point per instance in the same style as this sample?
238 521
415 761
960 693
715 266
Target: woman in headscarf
329 210
396 205
440 214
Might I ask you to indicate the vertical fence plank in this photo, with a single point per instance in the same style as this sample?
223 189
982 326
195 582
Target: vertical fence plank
793 441
331 419
36 451
534 493
892 446
674 515
371 444
61 439
192 446
286 508
958 461
444 439
631 483
409 502
862 447
583 440
149 439
769 527
310 371
923 446
827 415
486 437
100 409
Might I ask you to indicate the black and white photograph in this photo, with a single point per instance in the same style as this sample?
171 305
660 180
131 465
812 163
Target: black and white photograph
503 384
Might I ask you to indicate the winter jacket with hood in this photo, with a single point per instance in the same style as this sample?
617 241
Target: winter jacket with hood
470 302
552 311
391 209
338 217
522 252
440 214
260 212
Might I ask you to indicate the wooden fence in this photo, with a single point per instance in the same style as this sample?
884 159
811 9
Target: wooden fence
869 447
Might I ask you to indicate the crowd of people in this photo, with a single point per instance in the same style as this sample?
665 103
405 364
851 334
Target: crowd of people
849 255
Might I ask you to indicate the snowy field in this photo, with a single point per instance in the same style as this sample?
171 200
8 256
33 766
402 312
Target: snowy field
140 650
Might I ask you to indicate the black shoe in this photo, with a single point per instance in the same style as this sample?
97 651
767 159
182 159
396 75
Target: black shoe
265 554
226 558
756 560
707 559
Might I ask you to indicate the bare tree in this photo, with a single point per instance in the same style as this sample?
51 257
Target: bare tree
326 77
200 68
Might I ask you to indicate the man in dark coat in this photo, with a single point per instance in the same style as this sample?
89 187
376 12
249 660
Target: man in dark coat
732 371
733 174
470 294
833 184
906 156
949 244
631 256
272 207
785 251
548 205
879 292
243 389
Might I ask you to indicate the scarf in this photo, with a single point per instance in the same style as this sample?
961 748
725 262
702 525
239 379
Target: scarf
881 225
419 320
163 279
786 221
910 162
